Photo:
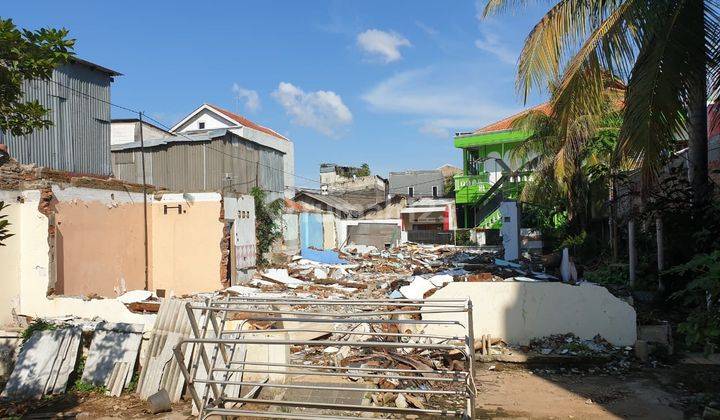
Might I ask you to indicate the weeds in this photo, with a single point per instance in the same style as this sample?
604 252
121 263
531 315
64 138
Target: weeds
37 325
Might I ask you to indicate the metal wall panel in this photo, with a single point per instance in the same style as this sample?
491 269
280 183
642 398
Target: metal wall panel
79 139
228 164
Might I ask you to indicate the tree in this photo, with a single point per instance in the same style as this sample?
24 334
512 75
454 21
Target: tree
571 157
4 223
26 55
665 49
267 223
364 170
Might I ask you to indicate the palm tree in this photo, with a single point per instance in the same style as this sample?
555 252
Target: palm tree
571 156
666 50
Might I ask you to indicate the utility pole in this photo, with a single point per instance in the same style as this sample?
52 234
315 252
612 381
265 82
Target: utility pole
632 252
145 215
660 251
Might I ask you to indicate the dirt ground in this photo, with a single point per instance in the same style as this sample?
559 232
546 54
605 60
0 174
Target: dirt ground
504 392
674 392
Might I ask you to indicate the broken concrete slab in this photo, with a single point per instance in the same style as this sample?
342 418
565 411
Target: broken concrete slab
518 311
112 344
417 289
44 363
280 275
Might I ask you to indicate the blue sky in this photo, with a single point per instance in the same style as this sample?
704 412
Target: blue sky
382 82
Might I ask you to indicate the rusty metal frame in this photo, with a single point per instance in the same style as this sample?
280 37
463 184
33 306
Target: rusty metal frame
208 321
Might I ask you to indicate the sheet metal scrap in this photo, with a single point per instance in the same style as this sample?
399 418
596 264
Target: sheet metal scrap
400 372
44 364
111 359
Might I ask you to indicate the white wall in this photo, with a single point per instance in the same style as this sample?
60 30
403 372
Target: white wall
212 121
520 311
341 227
122 132
10 257
286 147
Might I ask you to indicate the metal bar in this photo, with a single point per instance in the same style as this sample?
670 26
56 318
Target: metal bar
354 375
334 388
332 316
345 407
203 355
372 369
270 415
381 334
329 343
355 321
371 312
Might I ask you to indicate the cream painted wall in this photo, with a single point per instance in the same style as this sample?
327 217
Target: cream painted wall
521 311
186 247
10 257
34 275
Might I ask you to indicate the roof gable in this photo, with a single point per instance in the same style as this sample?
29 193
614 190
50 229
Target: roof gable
221 118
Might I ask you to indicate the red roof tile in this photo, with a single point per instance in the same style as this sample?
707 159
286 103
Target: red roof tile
506 124
247 123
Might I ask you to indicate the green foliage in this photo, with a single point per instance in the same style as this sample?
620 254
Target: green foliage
610 274
25 55
449 187
267 223
4 223
364 170
573 241
37 325
702 327
81 386
132 385
462 237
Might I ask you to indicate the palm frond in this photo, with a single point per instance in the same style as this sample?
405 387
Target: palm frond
657 90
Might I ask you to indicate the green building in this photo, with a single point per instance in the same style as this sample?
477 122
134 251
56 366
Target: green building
490 173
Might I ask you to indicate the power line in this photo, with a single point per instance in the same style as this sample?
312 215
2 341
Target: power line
178 134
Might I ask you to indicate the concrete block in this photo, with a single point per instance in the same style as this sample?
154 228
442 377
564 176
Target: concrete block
520 311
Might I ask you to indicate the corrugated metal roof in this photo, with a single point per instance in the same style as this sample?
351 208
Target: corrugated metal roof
159 369
185 138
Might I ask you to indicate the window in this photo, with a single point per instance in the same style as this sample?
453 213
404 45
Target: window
411 191
201 125
435 191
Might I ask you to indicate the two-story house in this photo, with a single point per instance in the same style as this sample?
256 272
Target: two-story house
490 171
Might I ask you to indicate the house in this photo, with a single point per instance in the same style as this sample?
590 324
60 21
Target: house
336 178
490 173
449 171
211 117
418 184
345 205
214 160
429 214
78 99
211 150
127 130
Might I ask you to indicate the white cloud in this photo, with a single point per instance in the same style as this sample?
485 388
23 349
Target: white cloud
322 110
491 43
440 101
251 97
489 40
382 45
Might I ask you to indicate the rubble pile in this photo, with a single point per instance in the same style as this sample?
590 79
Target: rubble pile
409 271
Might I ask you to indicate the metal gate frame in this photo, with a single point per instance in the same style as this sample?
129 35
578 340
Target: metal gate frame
210 329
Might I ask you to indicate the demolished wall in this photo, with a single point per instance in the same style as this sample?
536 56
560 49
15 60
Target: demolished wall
520 311
187 233
99 241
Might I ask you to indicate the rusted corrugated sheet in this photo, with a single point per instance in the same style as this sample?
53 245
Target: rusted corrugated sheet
79 140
